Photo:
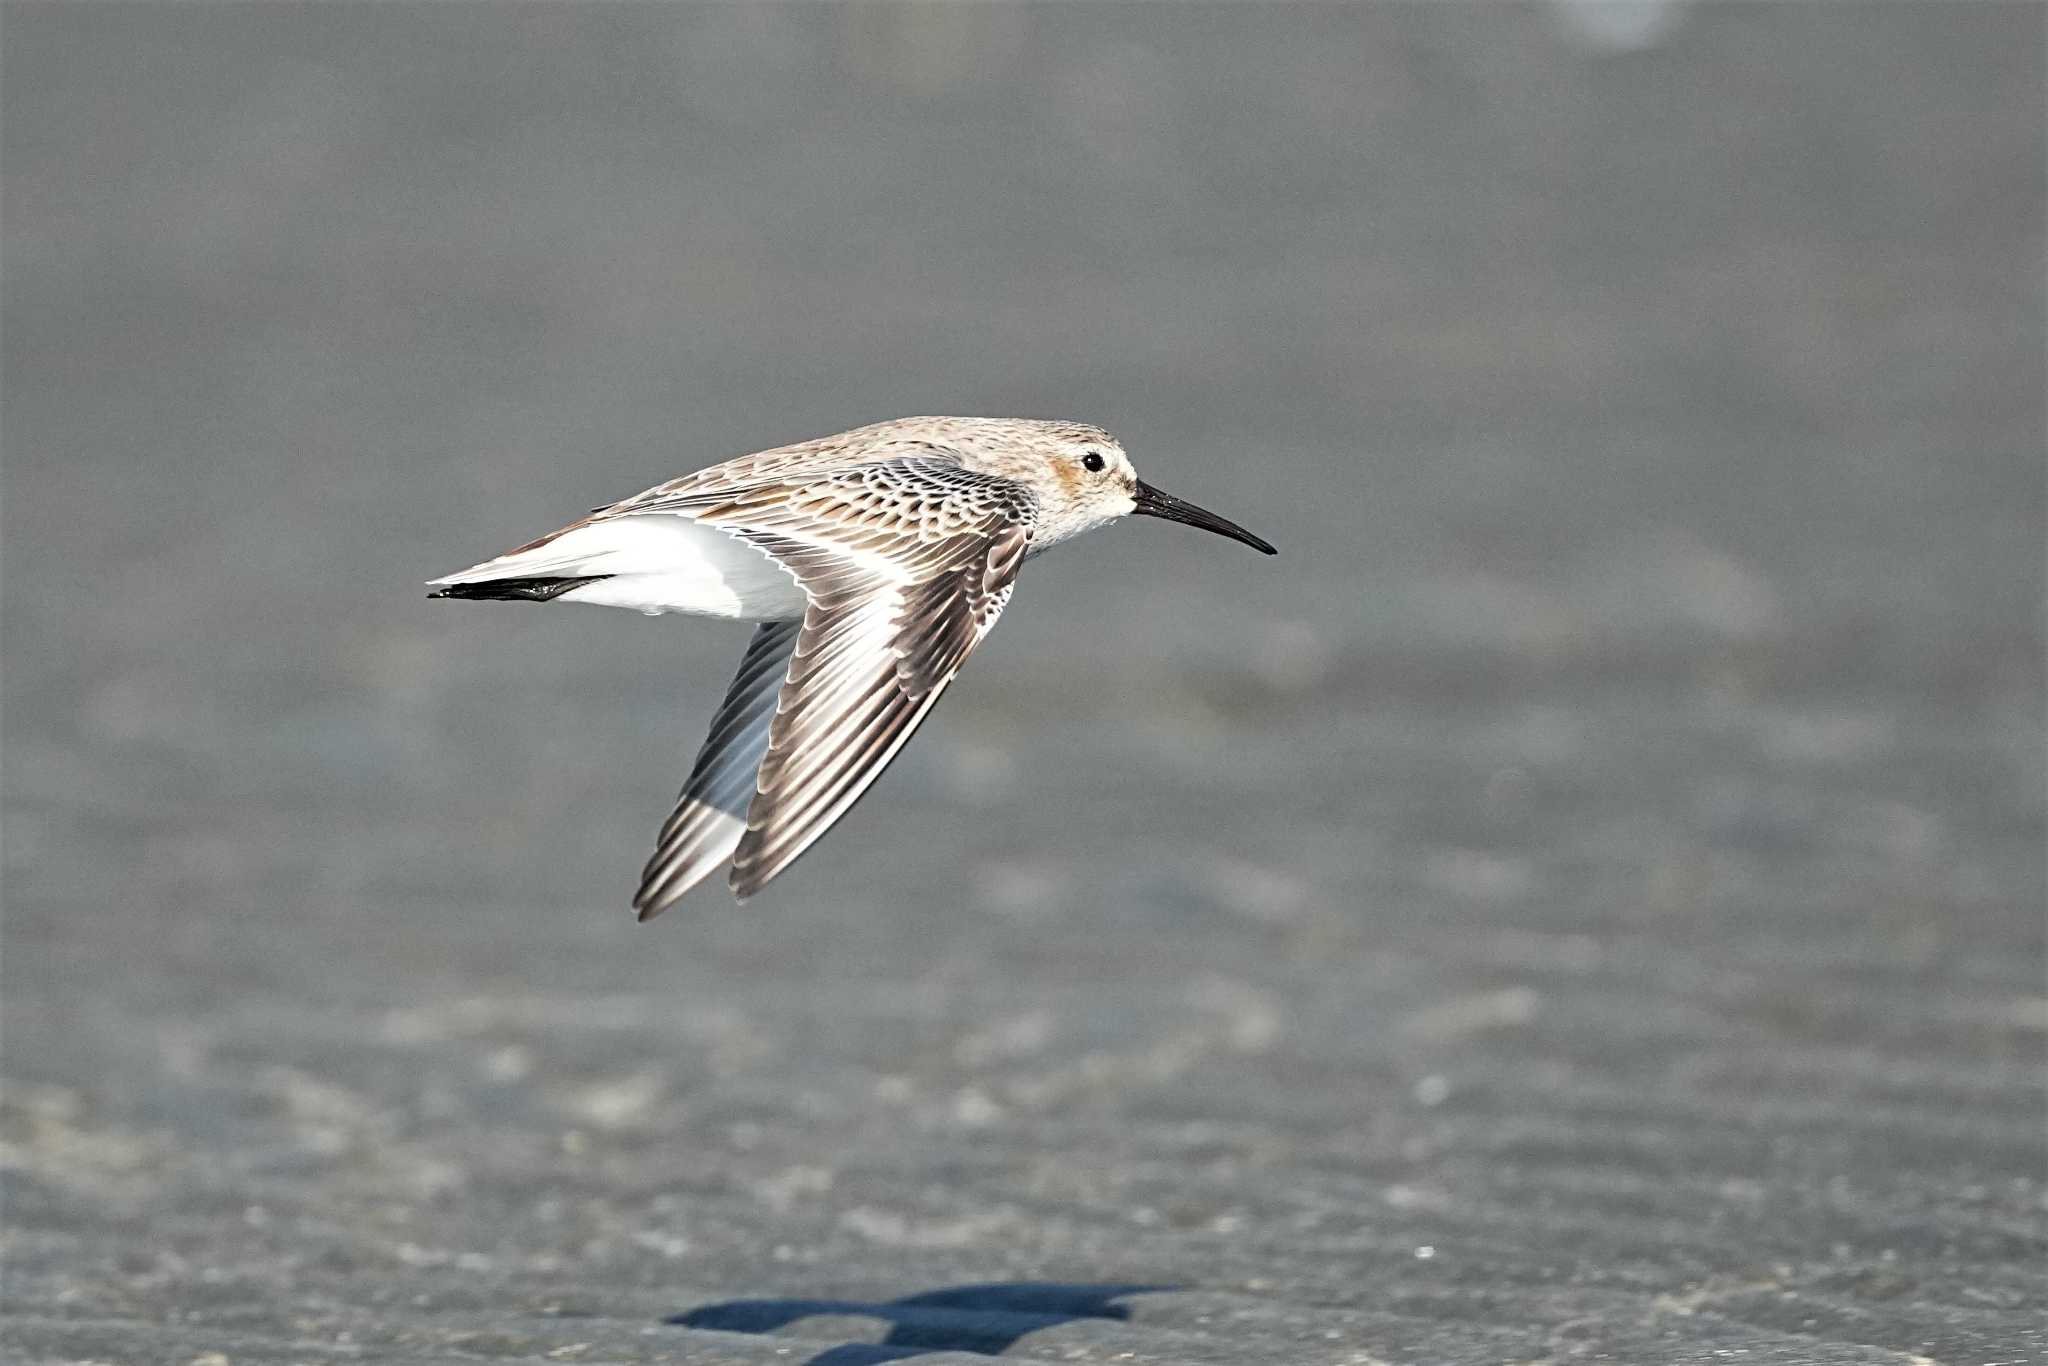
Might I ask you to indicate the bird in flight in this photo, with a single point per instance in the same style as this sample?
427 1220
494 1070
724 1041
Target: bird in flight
874 562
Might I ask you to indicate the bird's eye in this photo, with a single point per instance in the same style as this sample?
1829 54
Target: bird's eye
1093 462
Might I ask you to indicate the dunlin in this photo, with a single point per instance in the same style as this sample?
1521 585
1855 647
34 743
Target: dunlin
874 561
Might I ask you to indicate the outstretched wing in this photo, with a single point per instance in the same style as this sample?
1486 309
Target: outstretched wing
875 651
905 564
711 814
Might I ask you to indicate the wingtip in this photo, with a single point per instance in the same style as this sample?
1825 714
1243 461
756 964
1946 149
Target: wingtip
657 895
652 898
746 879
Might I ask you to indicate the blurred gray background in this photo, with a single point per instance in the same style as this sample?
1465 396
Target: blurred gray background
1585 897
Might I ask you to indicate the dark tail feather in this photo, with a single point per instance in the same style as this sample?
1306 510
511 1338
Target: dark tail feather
514 590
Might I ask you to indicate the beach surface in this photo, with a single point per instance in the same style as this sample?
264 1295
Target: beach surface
1584 900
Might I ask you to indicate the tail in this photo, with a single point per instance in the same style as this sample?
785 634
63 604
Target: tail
658 563
514 590
539 571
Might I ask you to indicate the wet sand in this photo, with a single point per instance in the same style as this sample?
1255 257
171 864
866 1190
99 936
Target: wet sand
1583 900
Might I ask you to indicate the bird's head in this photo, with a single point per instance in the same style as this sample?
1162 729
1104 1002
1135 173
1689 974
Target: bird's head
1081 477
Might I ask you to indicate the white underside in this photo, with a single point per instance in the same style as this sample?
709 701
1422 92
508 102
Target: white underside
657 563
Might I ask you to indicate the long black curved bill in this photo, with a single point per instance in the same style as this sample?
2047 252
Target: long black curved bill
1152 503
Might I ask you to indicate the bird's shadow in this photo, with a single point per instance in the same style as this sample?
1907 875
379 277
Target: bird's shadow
987 1319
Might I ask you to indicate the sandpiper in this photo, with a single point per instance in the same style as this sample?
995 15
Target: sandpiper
874 561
